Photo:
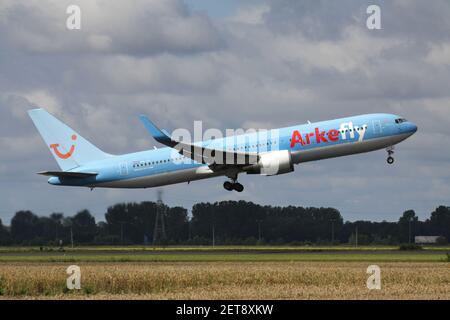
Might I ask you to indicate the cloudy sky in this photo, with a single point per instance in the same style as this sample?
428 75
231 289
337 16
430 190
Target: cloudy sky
231 64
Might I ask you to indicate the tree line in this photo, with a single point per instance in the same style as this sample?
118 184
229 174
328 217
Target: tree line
226 222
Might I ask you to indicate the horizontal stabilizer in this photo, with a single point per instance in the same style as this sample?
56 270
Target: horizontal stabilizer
66 174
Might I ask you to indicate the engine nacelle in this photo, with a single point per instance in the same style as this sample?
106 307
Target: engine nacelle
272 163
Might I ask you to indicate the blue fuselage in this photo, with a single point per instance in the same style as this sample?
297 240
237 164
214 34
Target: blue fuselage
306 142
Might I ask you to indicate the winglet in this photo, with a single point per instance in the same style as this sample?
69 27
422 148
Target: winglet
160 135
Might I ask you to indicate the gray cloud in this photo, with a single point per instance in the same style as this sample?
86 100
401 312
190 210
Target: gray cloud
272 64
325 20
134 27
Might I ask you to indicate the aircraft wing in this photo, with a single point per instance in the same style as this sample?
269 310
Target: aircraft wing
199 153
68 174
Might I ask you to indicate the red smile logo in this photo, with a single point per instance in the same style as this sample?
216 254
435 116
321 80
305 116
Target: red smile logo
64 155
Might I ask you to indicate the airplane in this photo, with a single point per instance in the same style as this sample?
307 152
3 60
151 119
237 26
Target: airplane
272 153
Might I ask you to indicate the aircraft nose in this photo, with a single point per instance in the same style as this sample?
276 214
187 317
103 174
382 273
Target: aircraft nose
412 127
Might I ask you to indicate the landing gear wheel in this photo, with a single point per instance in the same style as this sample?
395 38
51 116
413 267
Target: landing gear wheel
228 185
390 151
238 187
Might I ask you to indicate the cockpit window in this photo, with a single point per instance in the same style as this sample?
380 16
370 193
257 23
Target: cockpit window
400 120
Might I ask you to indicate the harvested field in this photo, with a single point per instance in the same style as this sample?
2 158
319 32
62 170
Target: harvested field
226 280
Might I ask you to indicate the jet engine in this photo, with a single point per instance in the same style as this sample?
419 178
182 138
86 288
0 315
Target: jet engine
272 163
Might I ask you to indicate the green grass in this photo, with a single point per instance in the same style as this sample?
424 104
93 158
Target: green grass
196 248
223 253
363 257
236 248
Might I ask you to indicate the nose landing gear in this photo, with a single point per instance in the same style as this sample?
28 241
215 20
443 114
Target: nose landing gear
390 158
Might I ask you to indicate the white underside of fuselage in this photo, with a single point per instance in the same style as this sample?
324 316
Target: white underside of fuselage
203 172
162 179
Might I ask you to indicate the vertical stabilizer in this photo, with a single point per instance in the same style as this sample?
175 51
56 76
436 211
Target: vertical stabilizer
67 146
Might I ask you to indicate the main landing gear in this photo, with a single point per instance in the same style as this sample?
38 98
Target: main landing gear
390 158
233 184
230 186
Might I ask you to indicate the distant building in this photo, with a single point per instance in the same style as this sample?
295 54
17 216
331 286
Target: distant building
425 239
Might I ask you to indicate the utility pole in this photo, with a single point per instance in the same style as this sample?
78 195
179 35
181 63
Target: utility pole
409 231
189 230
259 231
213 230
121 232
68 224
213 236
332 231
71 236
356 240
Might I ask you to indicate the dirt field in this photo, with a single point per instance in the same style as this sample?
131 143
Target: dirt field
225 280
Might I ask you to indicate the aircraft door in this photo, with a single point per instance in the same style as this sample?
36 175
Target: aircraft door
123 169
376 126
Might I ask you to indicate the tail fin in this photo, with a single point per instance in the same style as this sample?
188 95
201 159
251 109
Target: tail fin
68 147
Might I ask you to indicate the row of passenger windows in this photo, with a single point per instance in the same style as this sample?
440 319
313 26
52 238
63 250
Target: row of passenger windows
255 145
350 130
151 163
